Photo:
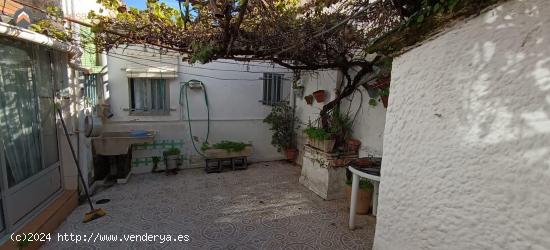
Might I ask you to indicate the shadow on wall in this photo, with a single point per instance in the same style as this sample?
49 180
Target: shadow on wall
506 115
468 136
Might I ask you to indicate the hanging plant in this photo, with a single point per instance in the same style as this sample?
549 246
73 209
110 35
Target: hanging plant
383 82
373 102
309 99
384 96
319 95
298 90
122 8
283 124
373 93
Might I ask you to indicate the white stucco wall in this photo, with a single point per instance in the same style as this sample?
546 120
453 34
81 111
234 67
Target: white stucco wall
79 10
368 126
467 140
369 123
236 112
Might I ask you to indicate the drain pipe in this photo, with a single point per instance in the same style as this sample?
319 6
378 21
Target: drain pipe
31 36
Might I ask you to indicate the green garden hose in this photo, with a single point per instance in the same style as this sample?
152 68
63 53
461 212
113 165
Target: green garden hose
183 94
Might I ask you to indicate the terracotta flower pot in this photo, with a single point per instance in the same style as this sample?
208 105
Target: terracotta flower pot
363 162
309 99
364 200
122 8
353 144
339 162
291 153
384 101
383 83
319 95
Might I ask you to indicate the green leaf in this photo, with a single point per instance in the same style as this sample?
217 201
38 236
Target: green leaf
373 102
452 4
420 19
437 7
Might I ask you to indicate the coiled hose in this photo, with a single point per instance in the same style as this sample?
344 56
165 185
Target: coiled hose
183 94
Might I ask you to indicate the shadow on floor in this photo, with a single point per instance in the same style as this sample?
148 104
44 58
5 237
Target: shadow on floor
263 207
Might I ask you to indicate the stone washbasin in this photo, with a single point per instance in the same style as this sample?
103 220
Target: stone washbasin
118 143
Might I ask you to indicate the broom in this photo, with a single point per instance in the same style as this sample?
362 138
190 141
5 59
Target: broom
94 212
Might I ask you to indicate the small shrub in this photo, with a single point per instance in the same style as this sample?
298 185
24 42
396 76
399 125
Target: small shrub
317 133
229 146
283 124
172 151
156 159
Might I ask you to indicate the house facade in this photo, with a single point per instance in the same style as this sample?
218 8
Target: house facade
148 90
368 120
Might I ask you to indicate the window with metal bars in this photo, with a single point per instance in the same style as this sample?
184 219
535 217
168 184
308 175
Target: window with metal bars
92 92
273 88
148 96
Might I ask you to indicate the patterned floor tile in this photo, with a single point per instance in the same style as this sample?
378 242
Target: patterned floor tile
263 207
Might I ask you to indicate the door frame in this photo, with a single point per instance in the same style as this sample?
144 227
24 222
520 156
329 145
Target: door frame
6 192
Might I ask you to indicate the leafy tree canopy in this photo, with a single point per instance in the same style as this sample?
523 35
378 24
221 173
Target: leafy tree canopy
316 35
299 35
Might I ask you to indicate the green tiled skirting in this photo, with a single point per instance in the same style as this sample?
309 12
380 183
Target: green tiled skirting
155 145
159 144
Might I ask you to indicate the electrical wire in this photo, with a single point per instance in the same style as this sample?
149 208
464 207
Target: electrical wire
190 67
183 74
160 51
195 67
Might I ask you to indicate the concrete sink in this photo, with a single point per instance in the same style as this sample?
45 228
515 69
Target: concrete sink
118 143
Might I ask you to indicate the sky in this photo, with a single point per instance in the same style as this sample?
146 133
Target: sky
140 4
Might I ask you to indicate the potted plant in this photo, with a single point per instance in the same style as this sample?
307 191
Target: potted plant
373 102
353 144
320 139
340 162
319 95
122 8
156 161
309 99
341 128
368 161
371 91
171 155
298 90
383 67
226 149
384 95
283 124
364 196
291 154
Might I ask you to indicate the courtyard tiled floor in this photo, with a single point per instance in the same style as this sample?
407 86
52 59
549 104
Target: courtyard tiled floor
263 207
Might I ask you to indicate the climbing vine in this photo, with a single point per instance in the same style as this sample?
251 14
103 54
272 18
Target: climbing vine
320 34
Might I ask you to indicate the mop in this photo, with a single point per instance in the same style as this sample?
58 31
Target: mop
94 212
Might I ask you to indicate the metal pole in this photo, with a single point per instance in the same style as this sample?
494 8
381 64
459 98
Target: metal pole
352 208
75 159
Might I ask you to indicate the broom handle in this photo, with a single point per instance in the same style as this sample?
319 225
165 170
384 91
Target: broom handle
75 159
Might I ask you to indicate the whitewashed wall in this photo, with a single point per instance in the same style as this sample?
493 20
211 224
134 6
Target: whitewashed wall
467 141
368 126
75 118
79 10
236 111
